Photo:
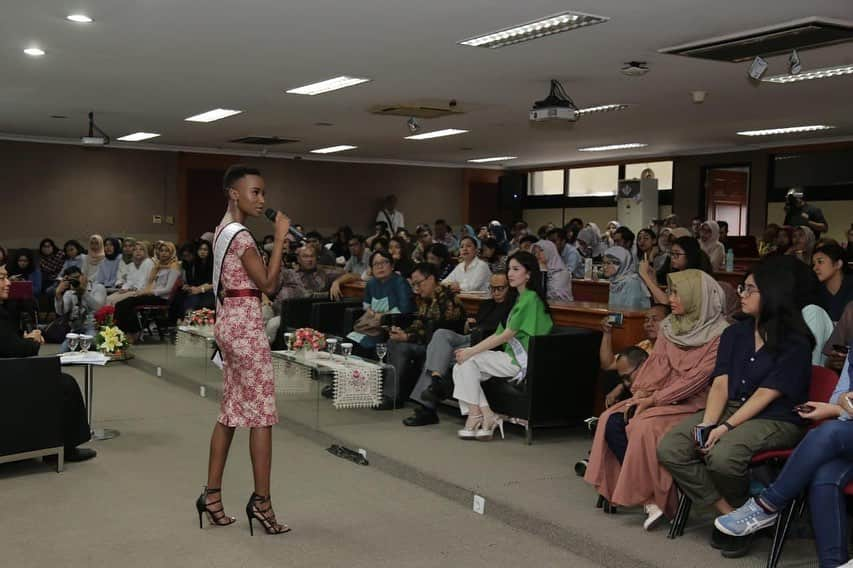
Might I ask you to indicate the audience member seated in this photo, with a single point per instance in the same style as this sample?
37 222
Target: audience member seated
325 257
51 260
624 237
709 240
490 254
558 280
616 389
649 250
763 371
518 231
74 255
76 300
399 249
529 317
498 232
197 275
807 298
438 255
437 308
802 244
94 258
822 464
608 237
75 425
784 238
695 223
568 252
132 277
379 244
589 242
435 384
161 283
669 386
471 274
340 244
684 254
23 267
385 293
107 273
4 257
626 287
837 347
671 221
380 233
356 268
767 242
836 289
724 233
404 234
389 214
424 235
443 234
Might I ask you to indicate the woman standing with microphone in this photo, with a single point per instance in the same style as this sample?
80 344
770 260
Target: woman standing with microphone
248 397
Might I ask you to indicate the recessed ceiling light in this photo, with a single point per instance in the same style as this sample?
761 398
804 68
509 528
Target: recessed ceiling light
436 134
329 85
495 159
823 73
603 108
211 115
532 30
79 18
333 149
789 130
138 136
34 51
612 147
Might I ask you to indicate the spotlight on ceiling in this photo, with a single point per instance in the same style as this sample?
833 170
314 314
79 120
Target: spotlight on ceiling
413 125
757 68
794 66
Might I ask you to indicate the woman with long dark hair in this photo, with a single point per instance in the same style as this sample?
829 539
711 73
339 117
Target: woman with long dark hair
763 371
529 317
439 255
685 253
340 244
22 266
836 289
248 396
198 279
399 249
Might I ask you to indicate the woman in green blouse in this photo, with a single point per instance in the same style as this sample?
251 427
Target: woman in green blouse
529 317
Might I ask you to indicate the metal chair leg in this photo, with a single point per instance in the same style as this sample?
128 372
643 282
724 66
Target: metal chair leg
780 533
681 514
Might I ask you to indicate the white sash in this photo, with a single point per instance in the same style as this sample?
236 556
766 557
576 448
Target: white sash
220 248
520 357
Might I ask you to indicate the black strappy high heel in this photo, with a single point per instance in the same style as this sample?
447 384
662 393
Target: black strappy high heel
265 515
216 515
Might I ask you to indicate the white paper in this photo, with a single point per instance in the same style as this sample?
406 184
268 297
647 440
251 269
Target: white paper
80 358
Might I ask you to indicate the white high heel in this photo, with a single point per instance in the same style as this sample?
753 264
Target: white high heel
487 433
471 433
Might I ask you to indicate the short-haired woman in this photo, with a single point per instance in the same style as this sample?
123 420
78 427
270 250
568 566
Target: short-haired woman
529 317
830 263
471 274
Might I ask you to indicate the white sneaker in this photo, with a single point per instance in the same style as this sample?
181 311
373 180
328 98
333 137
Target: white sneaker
653 516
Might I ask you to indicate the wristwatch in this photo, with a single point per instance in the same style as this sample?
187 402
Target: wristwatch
728 426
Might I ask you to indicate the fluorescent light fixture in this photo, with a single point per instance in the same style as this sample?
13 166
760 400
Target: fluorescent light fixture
211 115
822 73
79 18
138 136
612 147
34 52
555 24
436 134
334 84
789 130
603 108
496 159
333 149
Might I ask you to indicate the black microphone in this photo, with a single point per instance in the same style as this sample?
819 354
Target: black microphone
27 322
271 213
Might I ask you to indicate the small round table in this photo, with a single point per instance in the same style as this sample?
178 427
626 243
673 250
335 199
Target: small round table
89 390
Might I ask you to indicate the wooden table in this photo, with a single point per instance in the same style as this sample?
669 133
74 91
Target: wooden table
734 278
584 290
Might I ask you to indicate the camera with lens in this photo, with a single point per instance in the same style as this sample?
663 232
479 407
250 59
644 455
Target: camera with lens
792 198
74 282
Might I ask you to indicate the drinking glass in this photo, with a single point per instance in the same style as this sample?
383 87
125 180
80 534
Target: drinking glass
85 343
331 346
346 349
73 341
288 339
381 351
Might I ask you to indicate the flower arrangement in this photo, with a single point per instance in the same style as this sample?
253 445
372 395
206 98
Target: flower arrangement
308 339
105 316
203 316
111 340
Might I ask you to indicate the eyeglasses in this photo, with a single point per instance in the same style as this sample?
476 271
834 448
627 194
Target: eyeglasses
417 283
379 263
747 290
497 288
610 263
674 254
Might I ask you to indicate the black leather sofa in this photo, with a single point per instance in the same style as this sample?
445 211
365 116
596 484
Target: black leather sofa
31 409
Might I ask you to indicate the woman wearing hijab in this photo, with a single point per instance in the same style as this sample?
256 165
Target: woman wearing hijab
709 240
589 242
607 237
94 257
161 283
670 386
802 244
108 269
558 280
497 231
626 287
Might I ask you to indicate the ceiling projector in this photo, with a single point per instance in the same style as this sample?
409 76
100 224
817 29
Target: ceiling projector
93 140
557 106
95 136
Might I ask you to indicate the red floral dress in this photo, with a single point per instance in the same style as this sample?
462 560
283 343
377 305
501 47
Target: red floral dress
248 398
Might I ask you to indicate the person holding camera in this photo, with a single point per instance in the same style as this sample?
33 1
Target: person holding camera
799 213
76 300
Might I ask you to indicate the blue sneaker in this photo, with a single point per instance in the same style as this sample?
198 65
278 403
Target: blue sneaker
748 519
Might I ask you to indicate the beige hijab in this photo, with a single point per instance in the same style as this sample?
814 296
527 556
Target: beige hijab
703 302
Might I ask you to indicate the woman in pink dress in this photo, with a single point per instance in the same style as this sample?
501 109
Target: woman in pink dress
248 398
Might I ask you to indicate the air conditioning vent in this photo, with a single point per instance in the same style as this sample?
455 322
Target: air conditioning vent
263 140
425 109
774 40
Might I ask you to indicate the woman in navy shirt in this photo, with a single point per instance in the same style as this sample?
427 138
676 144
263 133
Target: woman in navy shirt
763 371
829 263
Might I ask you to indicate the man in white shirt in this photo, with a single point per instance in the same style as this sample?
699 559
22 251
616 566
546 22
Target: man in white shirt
390 215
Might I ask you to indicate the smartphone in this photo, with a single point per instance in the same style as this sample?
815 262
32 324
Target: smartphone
841 348
701 433
615 319
803 408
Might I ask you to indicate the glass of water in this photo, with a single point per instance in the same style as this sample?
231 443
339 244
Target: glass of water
85 343
288 339
346 349
331 345
73 341
381 351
